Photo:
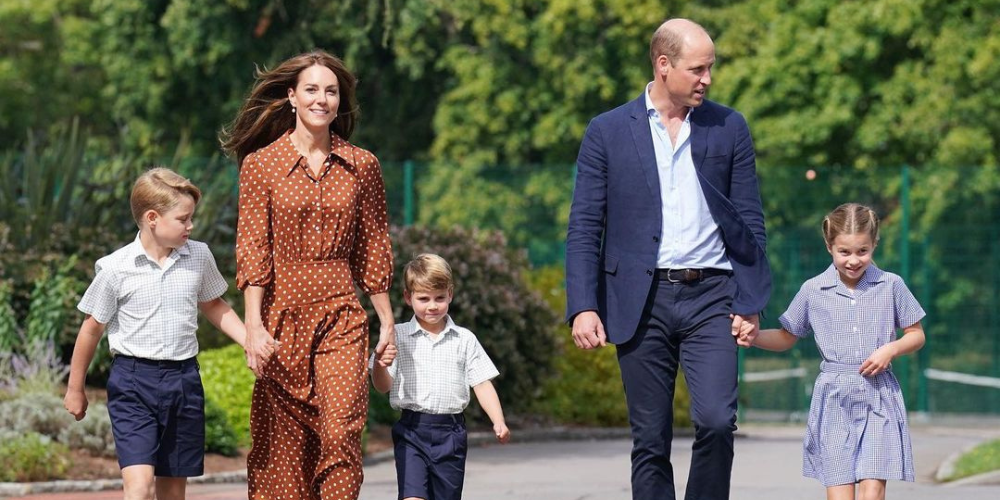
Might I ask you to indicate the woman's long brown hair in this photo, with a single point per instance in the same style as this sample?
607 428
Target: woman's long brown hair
266 113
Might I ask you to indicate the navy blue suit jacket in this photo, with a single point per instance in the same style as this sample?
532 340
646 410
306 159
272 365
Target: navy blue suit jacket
616 218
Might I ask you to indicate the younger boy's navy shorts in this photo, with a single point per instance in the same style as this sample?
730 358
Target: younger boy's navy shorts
430 455
157 413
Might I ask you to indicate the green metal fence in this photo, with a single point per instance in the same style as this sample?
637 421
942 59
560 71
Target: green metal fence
951 264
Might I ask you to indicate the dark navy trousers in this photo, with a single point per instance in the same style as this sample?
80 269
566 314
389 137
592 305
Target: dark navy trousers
686 324
430 453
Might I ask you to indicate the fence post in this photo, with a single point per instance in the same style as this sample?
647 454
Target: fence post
904 373
408 193
924 354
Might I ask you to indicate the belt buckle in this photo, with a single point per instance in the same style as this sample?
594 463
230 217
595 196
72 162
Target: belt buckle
689 275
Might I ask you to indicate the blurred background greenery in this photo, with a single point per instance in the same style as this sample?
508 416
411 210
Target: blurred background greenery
476 109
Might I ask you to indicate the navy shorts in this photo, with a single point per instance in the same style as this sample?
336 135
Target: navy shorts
157 413
430 455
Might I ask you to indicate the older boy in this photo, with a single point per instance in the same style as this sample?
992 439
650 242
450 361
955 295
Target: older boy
436 363
147 295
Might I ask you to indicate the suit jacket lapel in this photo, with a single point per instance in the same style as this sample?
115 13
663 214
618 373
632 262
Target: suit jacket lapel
643 139
699 138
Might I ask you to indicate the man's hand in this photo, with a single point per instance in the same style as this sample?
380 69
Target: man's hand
745 329
588 331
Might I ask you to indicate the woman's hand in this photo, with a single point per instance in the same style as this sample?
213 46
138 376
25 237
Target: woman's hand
386 338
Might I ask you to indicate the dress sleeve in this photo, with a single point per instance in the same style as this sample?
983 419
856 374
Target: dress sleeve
906 308
254 239
371 255
795 319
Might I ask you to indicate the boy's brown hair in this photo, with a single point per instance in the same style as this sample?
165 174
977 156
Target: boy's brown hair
427 272
160 189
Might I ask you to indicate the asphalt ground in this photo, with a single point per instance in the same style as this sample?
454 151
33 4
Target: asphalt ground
767 466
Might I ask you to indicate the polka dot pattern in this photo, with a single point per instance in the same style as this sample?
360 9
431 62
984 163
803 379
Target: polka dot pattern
308 240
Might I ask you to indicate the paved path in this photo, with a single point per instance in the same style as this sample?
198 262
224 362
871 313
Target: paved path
767 466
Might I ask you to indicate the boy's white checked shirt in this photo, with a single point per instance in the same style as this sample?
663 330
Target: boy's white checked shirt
434 377
152 312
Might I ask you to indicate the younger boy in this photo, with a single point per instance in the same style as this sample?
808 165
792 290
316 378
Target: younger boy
435 363
147 294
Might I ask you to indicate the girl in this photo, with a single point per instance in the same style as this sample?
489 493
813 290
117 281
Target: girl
857 432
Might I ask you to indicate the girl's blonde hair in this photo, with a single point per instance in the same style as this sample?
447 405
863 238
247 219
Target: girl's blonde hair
160 189
428 272
850 218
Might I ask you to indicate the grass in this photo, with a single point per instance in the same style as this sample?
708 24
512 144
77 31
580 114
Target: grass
982 458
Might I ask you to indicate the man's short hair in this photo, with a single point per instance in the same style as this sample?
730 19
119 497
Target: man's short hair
668 42
427 272
160 189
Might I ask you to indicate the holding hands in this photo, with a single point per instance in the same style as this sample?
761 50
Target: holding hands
745 329
259 347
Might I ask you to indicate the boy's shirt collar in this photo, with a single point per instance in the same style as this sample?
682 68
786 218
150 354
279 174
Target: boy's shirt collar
415 329
136 250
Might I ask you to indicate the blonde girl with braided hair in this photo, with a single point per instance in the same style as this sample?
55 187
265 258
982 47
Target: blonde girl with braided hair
857 436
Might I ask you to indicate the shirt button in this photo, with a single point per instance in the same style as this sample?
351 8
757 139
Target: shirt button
855 329
854 302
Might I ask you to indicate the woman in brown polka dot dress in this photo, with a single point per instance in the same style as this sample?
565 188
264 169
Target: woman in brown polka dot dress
312 225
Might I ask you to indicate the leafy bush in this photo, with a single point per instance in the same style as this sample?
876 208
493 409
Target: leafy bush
92 434
220 437
34 412
492 299
587 386
229 386
31 457
35 369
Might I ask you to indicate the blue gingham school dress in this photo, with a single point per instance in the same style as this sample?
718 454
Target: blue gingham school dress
857 425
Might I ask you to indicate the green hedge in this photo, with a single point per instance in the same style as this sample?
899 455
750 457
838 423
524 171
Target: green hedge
229 386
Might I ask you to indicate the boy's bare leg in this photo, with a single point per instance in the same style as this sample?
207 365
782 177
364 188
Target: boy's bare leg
170 488
840 492
138 481
871 489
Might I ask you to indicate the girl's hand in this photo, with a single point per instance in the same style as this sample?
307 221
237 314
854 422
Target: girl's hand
878 362
386 338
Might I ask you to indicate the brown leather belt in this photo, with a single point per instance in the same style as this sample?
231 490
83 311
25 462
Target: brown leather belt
689 275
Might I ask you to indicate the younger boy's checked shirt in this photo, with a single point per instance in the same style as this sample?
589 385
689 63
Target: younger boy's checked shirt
150 311
850 325
434 376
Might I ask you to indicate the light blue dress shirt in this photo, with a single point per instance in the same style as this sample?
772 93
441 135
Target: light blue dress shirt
690 237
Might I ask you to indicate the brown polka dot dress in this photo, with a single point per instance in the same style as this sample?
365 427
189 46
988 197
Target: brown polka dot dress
307 241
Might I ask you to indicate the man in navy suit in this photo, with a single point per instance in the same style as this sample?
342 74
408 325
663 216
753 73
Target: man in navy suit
665 258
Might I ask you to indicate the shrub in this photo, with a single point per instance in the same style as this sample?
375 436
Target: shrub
492 299
220 437
34 412
92 434
31 457
229 386
587 386
35 369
